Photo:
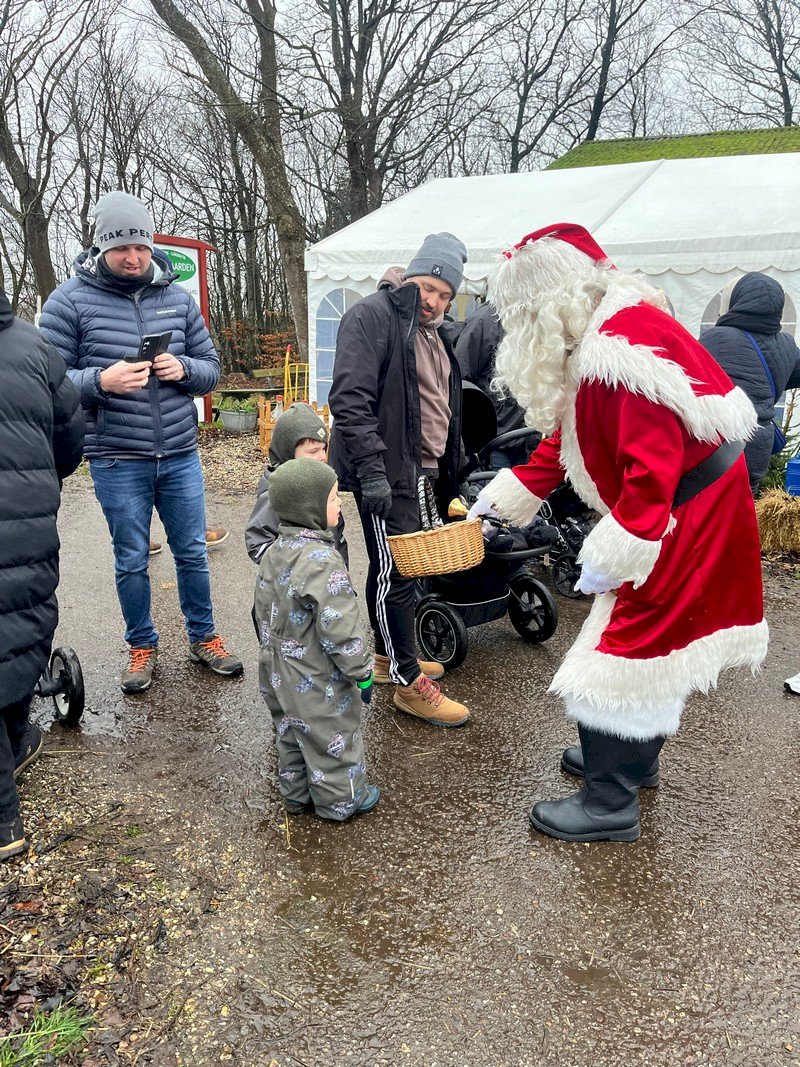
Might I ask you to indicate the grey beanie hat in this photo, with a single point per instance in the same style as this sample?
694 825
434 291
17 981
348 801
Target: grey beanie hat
299 491
442 256
122 219
296 424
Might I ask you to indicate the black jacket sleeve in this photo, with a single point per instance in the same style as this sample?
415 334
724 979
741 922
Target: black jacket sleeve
68 417
361 347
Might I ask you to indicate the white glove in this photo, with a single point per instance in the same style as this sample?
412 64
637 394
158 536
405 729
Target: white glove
480 507
592 582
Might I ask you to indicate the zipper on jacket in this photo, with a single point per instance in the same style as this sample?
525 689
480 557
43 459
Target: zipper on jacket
152 385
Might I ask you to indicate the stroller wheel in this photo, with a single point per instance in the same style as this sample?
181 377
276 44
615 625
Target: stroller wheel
531 609
70 699
566 572
441 634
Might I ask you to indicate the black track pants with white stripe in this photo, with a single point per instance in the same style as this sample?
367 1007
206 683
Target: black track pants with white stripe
390 596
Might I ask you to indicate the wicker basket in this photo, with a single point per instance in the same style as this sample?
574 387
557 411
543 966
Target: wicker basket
436 549
445 549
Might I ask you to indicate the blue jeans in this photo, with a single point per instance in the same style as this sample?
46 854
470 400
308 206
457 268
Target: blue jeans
128 490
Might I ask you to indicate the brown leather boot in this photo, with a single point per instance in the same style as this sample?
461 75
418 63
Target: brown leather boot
426 700
380 672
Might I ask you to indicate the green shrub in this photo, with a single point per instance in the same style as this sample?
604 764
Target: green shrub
232 403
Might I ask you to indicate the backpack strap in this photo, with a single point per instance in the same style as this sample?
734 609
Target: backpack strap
764 363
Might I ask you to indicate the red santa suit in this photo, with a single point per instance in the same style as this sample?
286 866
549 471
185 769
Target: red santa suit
645 404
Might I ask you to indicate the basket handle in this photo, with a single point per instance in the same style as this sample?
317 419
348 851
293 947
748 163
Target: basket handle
428 512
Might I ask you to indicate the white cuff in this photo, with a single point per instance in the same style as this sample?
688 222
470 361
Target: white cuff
611 550
512 500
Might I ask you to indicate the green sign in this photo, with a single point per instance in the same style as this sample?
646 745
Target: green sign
183 265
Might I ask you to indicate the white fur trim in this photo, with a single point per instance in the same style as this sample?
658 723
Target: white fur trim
614 552
506 493
636 698
637 368
636 724
572 457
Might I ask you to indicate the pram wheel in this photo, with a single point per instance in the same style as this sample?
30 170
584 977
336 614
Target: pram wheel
531 609
441 634
566 571
70 697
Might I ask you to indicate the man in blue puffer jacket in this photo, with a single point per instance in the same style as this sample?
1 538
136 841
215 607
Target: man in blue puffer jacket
141 420
753 304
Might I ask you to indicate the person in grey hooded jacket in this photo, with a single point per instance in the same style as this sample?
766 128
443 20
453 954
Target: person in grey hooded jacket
753 304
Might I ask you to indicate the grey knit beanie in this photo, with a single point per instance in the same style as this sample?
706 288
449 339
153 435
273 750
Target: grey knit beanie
299 491
122 219
442 256
296 424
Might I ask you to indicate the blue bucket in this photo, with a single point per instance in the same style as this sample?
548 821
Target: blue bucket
793 476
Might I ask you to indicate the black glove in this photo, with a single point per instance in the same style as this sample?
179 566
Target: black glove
376 495
365 686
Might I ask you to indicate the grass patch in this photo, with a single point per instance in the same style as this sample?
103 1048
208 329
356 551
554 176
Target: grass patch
50 1035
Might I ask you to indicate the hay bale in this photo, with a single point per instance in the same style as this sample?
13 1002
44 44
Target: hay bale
779 521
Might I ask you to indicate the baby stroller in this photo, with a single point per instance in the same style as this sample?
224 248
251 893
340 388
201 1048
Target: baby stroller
63 681
563 519
448 605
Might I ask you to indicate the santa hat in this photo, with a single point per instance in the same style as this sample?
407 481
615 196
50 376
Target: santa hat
570 233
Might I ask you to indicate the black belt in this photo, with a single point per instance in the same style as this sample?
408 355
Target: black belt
707 472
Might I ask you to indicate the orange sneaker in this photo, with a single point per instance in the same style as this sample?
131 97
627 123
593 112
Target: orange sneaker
138 675
212 653
425 700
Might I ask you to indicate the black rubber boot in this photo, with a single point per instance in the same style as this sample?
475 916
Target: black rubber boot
607 807
572 763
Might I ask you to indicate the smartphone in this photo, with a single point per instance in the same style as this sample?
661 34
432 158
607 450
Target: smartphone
150 346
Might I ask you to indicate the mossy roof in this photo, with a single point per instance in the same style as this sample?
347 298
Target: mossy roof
688 146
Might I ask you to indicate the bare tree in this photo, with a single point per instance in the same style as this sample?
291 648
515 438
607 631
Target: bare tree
253 110
36 57
744 62
627 37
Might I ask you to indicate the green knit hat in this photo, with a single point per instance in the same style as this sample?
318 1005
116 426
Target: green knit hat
293 426
299 491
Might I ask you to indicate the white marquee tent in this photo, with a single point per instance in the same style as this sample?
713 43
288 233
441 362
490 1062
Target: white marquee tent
688 224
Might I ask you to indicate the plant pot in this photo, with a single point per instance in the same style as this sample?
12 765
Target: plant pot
239 421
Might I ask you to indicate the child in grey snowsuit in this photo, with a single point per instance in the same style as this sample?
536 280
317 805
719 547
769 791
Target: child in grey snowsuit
315 669
299 432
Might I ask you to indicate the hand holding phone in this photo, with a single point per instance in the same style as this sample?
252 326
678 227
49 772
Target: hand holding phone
150 346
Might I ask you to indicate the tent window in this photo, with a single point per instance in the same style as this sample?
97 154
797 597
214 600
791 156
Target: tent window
789 324
329 313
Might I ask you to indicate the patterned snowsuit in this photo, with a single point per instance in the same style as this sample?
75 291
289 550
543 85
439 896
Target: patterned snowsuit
312 651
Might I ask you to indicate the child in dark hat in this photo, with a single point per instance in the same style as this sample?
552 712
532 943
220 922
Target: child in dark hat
299 433
315 669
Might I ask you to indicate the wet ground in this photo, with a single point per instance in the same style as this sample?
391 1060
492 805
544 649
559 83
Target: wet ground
439 930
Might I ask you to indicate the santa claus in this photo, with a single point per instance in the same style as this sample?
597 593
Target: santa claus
649 430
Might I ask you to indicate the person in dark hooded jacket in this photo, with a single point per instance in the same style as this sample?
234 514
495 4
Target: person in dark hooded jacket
41 439
298 433
753 305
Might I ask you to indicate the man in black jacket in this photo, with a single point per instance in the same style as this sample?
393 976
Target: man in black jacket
41 439
396 406
748 328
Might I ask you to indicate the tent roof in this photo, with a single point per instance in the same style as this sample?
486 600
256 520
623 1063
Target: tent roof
684 215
